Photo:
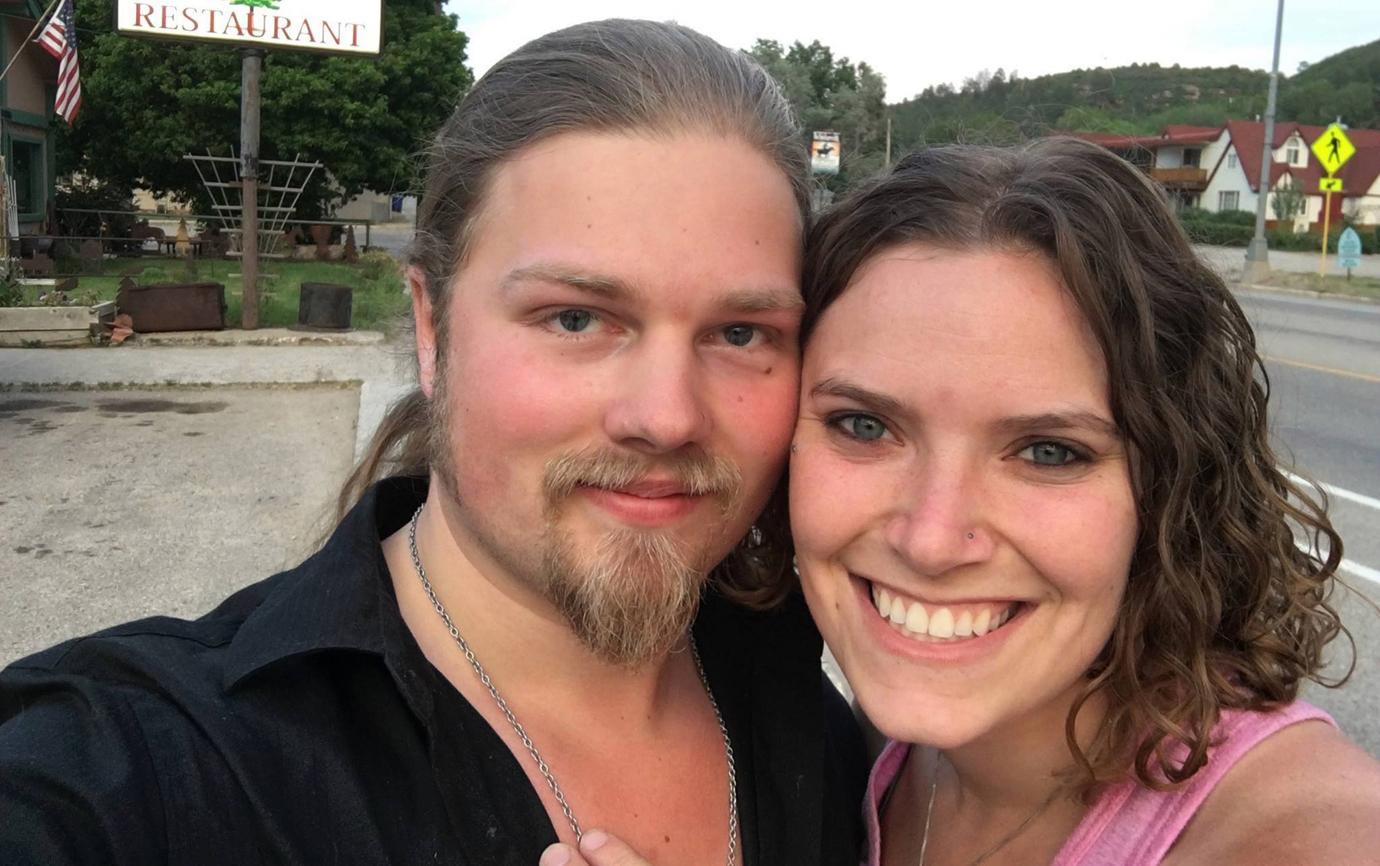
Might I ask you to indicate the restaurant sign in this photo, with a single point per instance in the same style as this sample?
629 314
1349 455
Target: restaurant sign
335 26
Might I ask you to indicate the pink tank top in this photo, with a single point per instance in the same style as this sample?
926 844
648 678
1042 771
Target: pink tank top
1129 825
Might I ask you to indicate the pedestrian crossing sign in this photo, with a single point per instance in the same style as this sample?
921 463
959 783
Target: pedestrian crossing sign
1333 148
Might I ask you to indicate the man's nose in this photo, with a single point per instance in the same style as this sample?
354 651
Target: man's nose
662 401
938 524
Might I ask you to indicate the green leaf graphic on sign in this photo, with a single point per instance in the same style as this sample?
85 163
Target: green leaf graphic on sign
263 4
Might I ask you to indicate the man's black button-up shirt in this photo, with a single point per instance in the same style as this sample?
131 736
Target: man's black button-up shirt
300 723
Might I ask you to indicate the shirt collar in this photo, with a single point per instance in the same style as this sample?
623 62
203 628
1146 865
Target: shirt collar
341 598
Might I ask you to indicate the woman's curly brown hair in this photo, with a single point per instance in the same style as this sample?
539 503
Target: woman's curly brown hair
1223 609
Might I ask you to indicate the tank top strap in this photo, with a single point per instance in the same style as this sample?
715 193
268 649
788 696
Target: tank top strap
1131 825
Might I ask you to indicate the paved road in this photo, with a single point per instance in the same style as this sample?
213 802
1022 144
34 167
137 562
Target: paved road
1323 357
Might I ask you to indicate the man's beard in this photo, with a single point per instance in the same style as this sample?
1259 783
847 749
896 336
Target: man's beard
632 596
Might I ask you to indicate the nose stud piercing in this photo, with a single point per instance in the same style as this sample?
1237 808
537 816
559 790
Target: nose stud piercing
971 536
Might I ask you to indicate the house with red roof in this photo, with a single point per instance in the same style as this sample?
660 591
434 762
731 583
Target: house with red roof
1178 157
1292 164
1218 168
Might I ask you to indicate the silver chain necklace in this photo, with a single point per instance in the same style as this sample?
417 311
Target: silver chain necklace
1001 843
542 766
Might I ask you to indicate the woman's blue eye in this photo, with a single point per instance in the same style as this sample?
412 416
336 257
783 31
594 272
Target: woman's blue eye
575 321
863 427
1050 454
739 335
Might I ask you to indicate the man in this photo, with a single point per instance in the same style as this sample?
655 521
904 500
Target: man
559 613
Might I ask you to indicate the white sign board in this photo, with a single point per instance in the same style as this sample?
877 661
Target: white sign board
335 26
824 153
1349 249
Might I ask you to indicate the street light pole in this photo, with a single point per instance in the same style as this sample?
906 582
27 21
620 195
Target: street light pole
1258 253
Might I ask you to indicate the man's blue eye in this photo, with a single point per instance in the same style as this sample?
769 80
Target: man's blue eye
863 427
739 335
1050 454
575 320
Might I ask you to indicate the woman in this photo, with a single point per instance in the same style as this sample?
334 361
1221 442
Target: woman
1040 524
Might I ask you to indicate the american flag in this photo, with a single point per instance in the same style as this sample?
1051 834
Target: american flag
59 39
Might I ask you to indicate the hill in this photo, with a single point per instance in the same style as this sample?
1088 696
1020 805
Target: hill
1137 99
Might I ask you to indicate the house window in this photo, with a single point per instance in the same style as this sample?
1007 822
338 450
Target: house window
1231 160
1192 156
26 165
1228 200
1291 156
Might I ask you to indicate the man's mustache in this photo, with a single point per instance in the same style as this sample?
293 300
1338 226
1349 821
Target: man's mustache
694 472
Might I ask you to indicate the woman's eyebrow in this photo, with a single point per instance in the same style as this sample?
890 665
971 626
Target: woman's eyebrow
1071 420
833 386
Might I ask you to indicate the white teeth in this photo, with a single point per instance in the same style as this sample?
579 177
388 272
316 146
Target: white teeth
917 620
938 622
898 611
942 623
981 622
963 627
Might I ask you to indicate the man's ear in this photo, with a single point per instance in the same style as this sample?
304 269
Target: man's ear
425 327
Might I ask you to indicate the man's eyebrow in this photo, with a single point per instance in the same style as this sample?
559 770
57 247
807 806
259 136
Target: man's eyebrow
832 386
609 288
768 300
762 301
1071 420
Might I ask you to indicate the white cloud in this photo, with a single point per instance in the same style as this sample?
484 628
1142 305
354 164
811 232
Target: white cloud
929 43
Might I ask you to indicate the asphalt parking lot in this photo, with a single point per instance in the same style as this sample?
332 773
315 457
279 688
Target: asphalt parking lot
119 504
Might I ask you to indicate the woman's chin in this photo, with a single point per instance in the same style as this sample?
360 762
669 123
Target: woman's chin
918 720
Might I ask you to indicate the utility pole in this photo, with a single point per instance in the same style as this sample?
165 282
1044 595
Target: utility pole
888 142
1258 253
251 71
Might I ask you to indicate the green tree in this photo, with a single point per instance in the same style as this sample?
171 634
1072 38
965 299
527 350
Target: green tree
1287 202
832 94
146 103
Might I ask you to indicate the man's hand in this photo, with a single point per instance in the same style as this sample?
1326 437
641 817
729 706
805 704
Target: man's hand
596 849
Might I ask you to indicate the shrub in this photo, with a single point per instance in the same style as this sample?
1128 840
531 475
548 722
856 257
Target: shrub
1235 218
1218 234
375 265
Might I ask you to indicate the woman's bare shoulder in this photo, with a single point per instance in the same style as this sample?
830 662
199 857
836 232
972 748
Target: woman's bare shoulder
1304 795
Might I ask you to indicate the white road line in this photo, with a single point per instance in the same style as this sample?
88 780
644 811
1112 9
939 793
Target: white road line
1365 572
1361 571
1337 492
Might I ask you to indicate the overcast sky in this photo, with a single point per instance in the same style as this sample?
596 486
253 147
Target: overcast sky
935 42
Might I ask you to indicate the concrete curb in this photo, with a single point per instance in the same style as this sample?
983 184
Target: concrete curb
1307 293
381 371
260 337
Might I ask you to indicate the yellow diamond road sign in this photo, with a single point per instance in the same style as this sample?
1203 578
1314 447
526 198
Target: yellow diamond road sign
1329 184
1333 148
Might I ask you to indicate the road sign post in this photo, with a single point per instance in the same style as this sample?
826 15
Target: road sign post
1332 149
1327 230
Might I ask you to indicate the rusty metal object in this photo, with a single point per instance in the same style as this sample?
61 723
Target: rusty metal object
324 306
173 306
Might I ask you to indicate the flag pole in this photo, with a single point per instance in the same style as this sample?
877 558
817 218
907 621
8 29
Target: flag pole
27 39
